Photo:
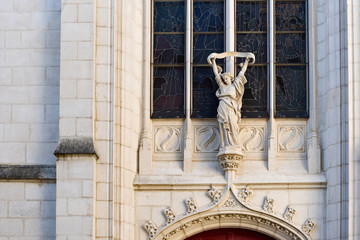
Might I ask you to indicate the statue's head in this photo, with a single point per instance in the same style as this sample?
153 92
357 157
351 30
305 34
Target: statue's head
227 78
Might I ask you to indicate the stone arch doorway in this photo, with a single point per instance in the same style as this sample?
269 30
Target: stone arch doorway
230 234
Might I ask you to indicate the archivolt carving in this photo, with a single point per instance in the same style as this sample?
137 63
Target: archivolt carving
230 211
168 139
207 139
291 139
252 139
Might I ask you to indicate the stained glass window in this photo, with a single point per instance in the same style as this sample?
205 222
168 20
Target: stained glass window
208 37
290 59
168 59
251 36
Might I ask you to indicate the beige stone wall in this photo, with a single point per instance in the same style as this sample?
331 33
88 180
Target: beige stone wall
29 81
29 113
27 210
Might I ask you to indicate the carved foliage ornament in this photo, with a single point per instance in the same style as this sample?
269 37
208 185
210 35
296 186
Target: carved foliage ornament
268 205
308 226
167 139
289 214
244 194
151 228
252 139
191 206
207 139
215 194
170 215
291 139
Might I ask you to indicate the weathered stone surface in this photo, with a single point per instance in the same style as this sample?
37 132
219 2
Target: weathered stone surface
75 146
40 172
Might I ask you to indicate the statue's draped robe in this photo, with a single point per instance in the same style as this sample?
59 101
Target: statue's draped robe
229 110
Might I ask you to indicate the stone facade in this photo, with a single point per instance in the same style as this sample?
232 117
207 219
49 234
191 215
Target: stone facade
75 80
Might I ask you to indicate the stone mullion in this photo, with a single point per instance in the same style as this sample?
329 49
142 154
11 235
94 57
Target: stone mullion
271 69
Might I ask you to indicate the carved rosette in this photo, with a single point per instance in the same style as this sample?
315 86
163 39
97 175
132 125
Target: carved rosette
268 205
308 226
151 228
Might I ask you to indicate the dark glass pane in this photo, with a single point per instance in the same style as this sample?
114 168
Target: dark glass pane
208 16
290 16
169 49
205 101
169 17
255 95
290 84
291 48
168 92
251 16
255 43
205 44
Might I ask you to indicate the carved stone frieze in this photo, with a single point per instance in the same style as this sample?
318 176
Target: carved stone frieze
191 206
289 214
291 139
231 207
252 139
207 139
170 215
242 217
215 194
268 205
230 161
245 194
308 226
151 228
167 139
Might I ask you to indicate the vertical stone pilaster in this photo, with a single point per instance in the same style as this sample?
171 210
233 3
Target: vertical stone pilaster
75 195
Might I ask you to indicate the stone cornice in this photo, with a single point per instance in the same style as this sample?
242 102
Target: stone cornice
79 146
28 172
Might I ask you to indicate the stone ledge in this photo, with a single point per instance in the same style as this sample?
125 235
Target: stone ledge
193 182
75 146
28 172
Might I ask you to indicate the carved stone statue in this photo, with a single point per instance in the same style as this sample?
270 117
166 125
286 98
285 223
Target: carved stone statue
230 93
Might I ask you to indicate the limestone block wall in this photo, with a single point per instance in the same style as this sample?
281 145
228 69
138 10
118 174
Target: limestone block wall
27 210
338 107
29 112
29 81
75 204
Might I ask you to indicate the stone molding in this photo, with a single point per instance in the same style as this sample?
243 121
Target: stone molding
229 210
28 172
68 146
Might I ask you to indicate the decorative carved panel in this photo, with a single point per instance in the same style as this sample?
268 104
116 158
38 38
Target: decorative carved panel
252 139
291 139
167 139
207 139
